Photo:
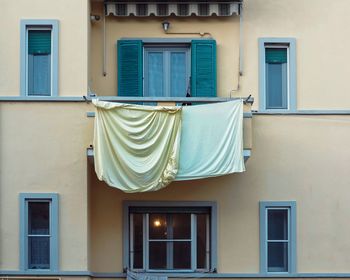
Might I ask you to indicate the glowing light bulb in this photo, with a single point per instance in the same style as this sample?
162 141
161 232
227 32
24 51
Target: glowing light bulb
157 223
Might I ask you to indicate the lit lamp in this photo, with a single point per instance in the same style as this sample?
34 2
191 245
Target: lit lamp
157 223
165 25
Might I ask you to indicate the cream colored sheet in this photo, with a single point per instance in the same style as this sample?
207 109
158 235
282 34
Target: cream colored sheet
136 147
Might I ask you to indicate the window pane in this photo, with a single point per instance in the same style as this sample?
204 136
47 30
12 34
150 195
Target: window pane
277 259
276 86
38 217
178 82
155 74
157 255
182 255
138 241
39 252
277 224
202 241
181 226
276 78
157 226
39 74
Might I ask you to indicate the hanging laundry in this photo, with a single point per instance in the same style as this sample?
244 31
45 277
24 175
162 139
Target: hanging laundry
136 147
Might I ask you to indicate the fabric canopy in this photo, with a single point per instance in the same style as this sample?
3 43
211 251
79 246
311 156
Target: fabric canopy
144 148
211 140
136 147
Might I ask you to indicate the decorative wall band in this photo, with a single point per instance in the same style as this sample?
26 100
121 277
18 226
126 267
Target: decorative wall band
122 9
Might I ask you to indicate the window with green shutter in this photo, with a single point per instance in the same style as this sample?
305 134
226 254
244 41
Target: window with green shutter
39 62
39 57
167 69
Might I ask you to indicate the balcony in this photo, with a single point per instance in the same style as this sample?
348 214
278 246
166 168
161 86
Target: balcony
172 101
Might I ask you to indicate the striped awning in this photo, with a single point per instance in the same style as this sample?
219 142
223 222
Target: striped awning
181 9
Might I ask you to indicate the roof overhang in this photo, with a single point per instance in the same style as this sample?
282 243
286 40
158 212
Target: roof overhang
172 8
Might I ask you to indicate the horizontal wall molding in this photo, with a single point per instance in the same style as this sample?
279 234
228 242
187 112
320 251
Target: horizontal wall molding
122 99
246 115
172 275
303 112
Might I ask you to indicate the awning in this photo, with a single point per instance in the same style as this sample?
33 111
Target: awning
181 9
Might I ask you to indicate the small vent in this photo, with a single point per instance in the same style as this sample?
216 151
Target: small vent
121 9
141 9
162 9
224 9
182 9
203 9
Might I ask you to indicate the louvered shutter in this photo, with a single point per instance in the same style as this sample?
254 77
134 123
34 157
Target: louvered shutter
129 68
276 55
203 68
39 41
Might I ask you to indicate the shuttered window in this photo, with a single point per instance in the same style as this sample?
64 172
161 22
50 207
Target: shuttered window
155 70
39 62
276 62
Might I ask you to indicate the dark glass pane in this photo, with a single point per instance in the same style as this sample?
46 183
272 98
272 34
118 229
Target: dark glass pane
202 240
277 224
276 86
38 217
138 240
181 226
39 252
157 226
277 259
182 255
157 255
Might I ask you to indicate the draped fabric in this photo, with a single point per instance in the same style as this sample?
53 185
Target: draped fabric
136 147
211 140
144 148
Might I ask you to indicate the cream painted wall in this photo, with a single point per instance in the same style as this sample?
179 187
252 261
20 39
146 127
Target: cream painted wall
301 158
321 46
224 30
43 149
73 42
318 26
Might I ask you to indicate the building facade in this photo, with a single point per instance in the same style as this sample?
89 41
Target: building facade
285 217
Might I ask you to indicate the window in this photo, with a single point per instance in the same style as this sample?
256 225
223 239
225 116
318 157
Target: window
277 237
166 71
39 55
166 68
170 238
277 74
39 225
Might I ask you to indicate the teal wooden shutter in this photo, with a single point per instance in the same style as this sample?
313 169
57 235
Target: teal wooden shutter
39 41
276 55
203 68
130 68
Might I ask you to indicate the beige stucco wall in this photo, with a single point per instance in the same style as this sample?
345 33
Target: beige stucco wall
43 149
224 30
73 43
318 26
299 158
